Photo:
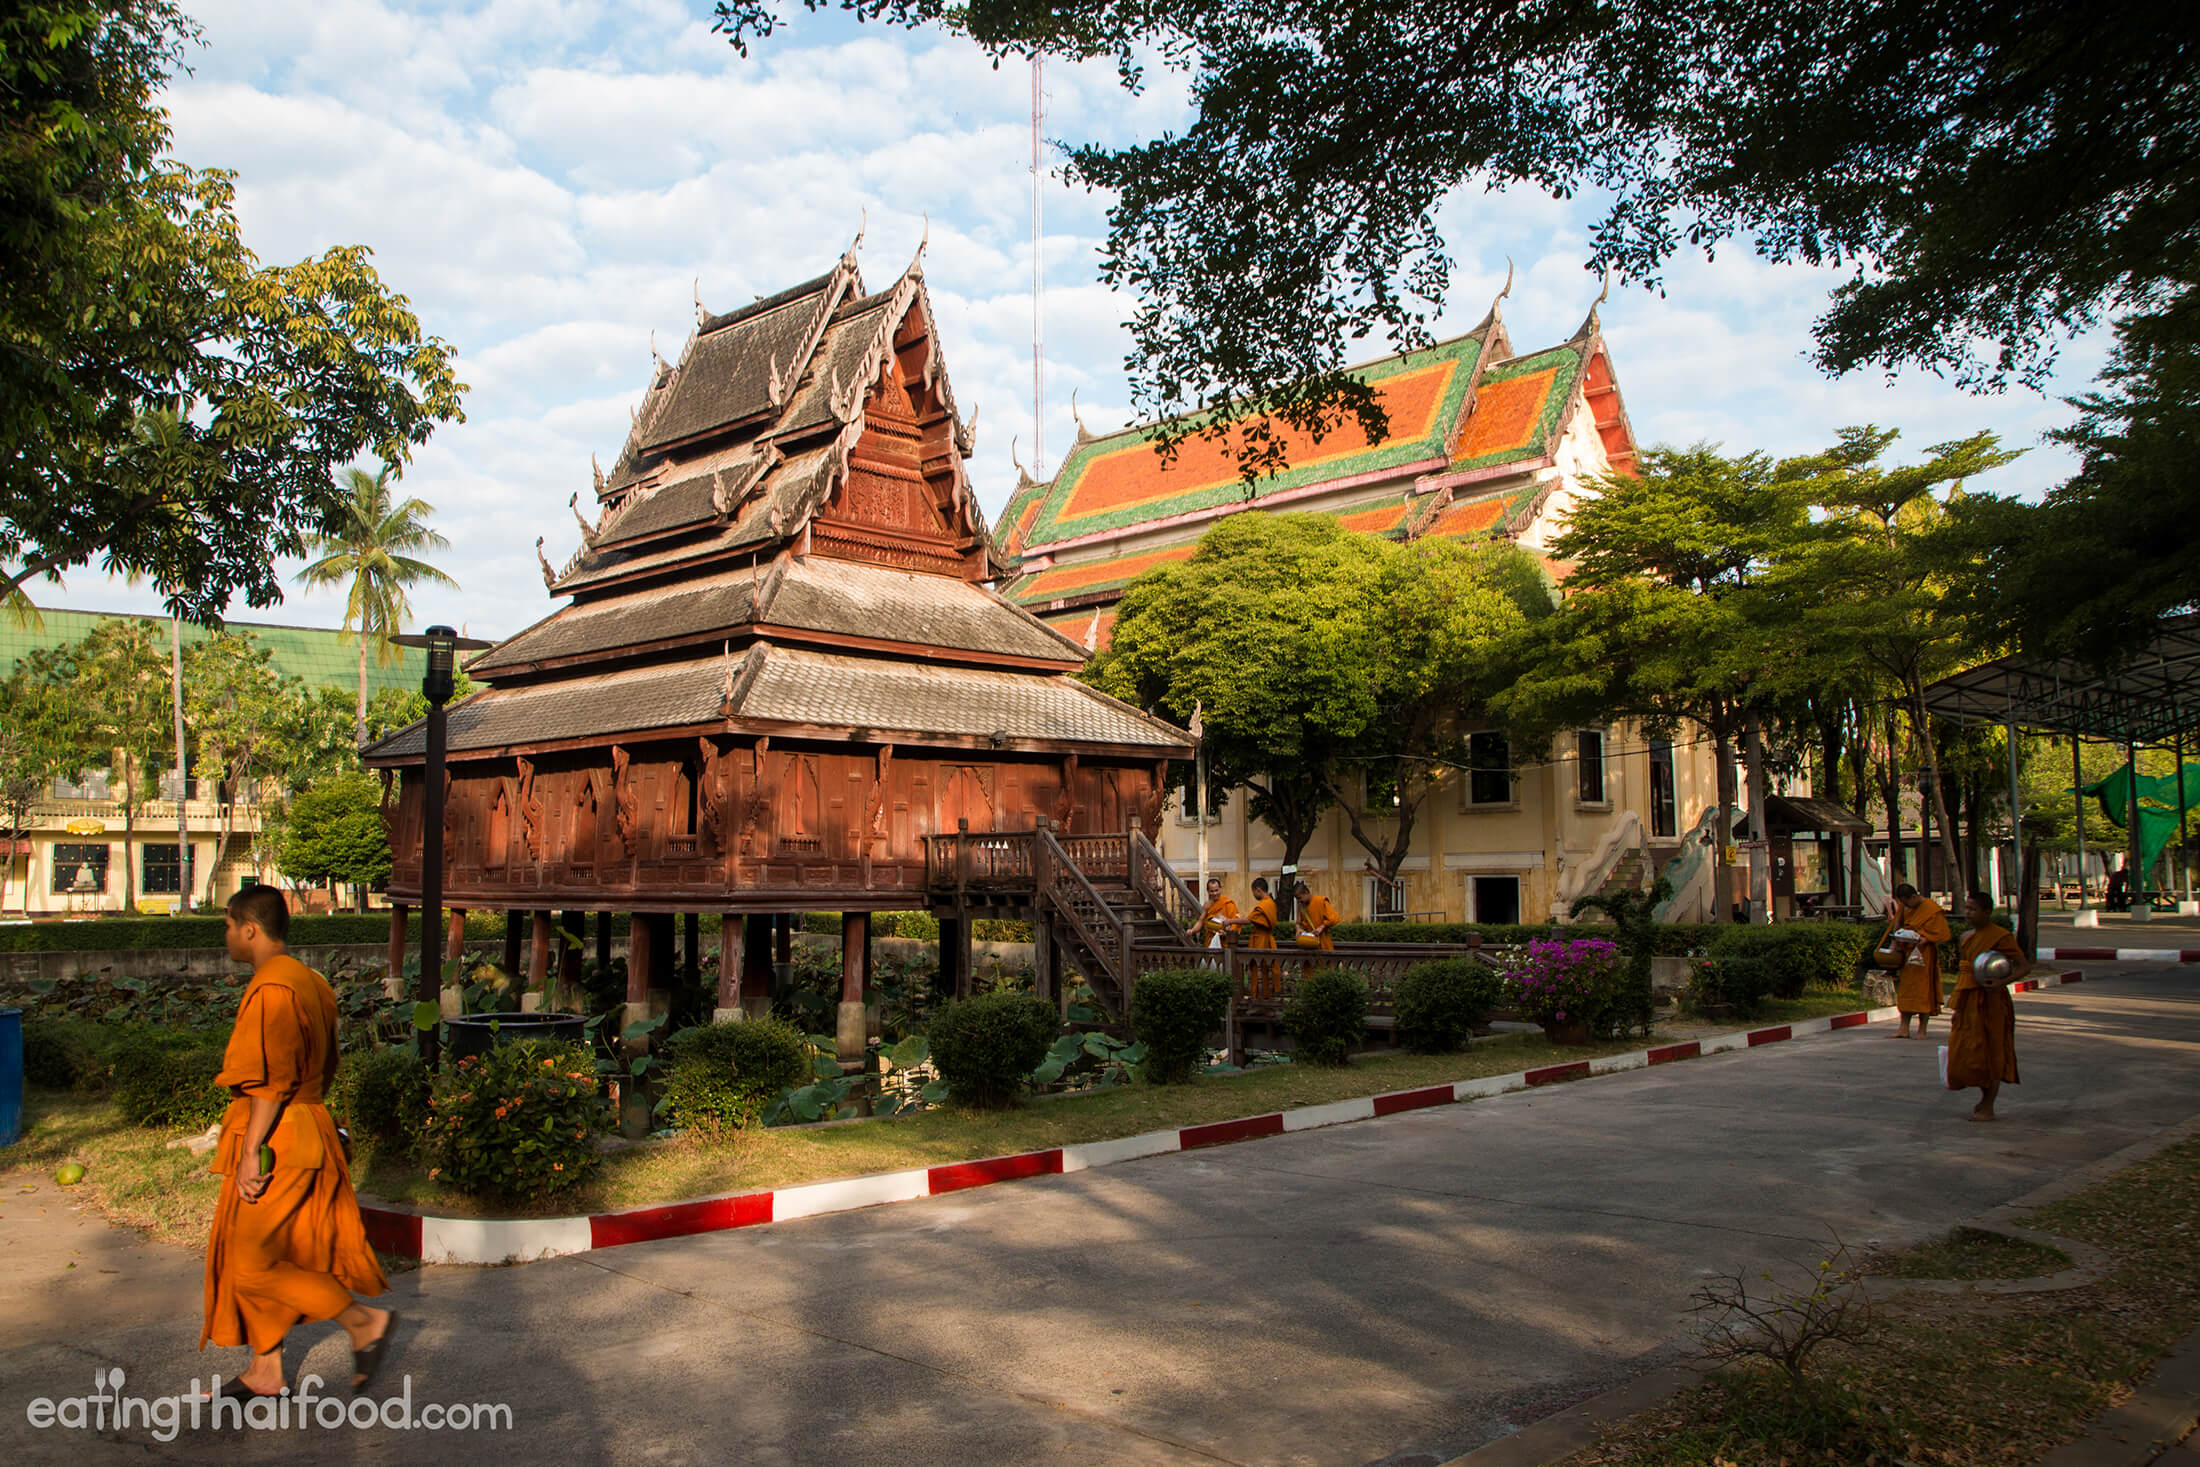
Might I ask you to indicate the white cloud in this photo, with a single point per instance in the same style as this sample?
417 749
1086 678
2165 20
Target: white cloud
551 181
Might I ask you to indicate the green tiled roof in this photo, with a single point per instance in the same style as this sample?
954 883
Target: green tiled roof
317 655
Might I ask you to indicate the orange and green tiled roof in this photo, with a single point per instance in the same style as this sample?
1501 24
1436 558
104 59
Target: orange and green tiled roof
1518 407
1012 532
1114 482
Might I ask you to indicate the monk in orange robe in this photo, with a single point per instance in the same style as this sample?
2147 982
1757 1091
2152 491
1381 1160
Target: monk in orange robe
1260 932
288 1244
1317 915
1917 979
1220 917
1982 1020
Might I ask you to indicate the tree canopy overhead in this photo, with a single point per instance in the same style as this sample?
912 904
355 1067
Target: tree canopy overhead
126 287
1992 176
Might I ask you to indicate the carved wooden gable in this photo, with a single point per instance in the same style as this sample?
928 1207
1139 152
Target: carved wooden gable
897 505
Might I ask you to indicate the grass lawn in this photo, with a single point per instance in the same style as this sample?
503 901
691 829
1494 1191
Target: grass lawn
1963 1381
785 1156
129 1172
1968 1253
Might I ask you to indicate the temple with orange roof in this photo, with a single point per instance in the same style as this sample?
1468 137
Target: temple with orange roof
1482 441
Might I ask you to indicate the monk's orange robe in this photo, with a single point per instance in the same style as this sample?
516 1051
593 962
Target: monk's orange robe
1317 917
1260 931
300 1251
1982 1023
1215 921
1917 984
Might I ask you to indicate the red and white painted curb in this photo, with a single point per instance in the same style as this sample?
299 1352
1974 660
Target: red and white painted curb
2122 955
521 1240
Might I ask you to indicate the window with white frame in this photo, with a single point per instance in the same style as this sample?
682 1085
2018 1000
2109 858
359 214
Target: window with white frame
1489 781
1589 767
1386 900
1218 796
1664 804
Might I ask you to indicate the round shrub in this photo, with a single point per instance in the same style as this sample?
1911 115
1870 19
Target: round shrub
381 1094
519 1122
725 1074
167 1080
1327 1016
1439 1005
1575 981
986 1047
1739 980
1174 1010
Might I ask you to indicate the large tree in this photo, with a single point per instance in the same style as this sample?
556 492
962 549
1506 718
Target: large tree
125 285
117 677
1991 176
370 550
40 741
236 706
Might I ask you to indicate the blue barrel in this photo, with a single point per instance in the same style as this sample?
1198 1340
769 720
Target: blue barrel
11 1076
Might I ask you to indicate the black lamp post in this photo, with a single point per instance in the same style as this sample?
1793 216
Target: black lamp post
442 646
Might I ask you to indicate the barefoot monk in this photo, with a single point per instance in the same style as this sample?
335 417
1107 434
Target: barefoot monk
1916 926
1982 1022
288 1244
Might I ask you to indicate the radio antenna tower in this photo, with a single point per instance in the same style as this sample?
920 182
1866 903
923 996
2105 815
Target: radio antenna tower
1038 336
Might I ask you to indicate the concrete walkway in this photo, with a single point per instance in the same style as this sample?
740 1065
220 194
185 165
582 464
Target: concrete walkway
1394 1292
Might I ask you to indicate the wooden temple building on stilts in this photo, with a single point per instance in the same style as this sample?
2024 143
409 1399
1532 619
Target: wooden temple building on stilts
783 684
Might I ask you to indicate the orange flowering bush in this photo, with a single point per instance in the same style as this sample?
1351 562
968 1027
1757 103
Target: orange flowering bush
517 1123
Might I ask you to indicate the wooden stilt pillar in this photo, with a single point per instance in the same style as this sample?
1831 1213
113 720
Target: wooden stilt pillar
572 928
855 944
730 928
393 982
756 964
641 958
603 942
456 947
1042 959
511 943
955 955
542 941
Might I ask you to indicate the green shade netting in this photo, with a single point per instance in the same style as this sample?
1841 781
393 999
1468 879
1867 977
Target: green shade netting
2158 805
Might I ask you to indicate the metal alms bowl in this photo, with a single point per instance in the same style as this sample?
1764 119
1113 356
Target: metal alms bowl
1993 967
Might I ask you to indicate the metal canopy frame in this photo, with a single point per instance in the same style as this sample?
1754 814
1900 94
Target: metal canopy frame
2150 699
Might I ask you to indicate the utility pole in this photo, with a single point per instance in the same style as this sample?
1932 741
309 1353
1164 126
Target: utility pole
1038 335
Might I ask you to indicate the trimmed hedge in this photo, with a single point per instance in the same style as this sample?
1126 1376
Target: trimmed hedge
1674 939
131 934
922 926
1173 1011
1327 1016
1439 1005
382 1095
167 1080
986 1047
724 1074
1738 980
1799 954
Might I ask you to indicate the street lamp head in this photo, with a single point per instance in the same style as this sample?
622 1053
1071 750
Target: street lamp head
442 645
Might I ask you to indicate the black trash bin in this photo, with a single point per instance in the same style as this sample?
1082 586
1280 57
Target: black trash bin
480 1033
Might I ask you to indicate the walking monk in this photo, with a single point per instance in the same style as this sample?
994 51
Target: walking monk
1317 915
1982 1022
1917 981
1220 915
1260 926
288 1243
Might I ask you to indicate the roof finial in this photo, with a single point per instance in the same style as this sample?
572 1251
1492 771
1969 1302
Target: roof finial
549 576
701 315
1508 290
916 261
863 227
1589 322
968 437
596 469
588 531
1084 435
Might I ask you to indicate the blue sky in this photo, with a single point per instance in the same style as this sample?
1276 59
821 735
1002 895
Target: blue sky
551 183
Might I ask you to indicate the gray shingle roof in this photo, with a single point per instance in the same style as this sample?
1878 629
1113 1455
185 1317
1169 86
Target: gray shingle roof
841 357
858 600
786 493
727 374
716 604
683 502
866 696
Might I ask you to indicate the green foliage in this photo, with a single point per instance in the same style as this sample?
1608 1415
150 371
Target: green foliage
1989 179
1000 929
166 1079
1797 955
61 1053
986 1047
1326 1016
1738 980
1670 939
1579 980
1438 1006
130 934
335 833
725 1074
1637 936
1092 1060
1175 1010
518 1123
382 1095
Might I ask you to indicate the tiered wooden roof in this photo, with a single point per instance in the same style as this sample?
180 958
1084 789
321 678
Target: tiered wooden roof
788 545
1476 438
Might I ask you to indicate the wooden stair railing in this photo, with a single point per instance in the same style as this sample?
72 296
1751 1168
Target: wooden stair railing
1066 890
1173 901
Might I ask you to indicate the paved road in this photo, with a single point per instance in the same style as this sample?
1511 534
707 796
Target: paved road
1393 1292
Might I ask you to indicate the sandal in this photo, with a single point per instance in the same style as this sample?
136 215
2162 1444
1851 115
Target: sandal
237 1390
367 1363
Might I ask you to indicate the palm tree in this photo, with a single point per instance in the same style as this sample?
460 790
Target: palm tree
370 550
